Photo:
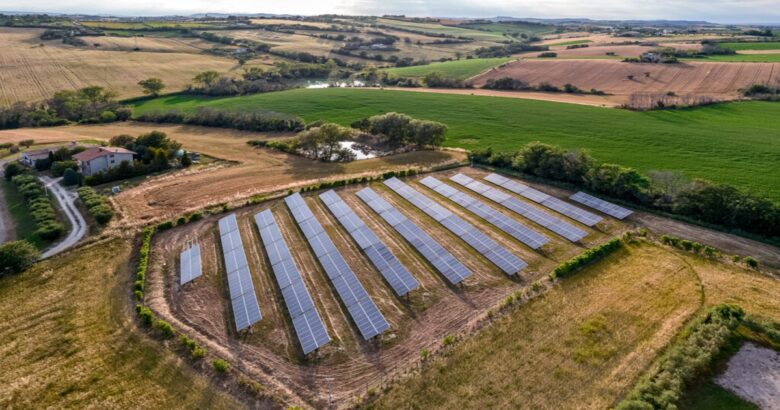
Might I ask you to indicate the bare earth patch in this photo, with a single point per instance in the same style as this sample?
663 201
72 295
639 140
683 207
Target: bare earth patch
754 374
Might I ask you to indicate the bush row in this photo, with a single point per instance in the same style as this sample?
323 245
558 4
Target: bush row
163 226
699 200
686 361
47 227
708 251
249 121
96 204
143 264
584 259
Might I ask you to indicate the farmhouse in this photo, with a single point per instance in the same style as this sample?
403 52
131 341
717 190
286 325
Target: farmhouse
29 157
99 159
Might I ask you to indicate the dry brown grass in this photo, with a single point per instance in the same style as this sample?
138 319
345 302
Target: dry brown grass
67 340
29 72
581 345
156 44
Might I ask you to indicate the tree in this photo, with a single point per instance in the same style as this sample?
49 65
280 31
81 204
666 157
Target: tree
427 133
152 86
17 256
70 177
206 78
185 160
122 140
12 169
26 143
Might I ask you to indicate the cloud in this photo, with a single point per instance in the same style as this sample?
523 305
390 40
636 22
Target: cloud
726 11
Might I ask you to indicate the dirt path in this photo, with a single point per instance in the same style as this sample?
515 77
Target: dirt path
6 222
583 99
78 225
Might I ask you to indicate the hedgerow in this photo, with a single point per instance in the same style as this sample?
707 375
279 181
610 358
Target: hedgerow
143 264
687 360
584 259
96 204
47 227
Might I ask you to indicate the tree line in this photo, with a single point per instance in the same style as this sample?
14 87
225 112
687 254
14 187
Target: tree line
667 191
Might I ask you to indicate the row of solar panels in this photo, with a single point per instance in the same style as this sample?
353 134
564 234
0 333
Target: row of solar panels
364 312
306 320
189 264
528 211
388 265
601 205
477 239
246 311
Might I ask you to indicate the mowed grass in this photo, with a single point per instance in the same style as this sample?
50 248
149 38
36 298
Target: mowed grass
582 345
460 69
735 143
767 45
66 340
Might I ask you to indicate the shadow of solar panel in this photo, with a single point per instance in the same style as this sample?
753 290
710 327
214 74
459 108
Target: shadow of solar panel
308 325
415 236
467 232
601 205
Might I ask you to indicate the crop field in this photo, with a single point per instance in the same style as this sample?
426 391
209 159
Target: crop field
86 351
31 72
767 45
734 143
552 353
461 69
506 28
417 321
155 44
118 25
570 43
436 28
240 173
746 58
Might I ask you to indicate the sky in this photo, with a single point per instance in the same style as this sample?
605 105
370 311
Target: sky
719 11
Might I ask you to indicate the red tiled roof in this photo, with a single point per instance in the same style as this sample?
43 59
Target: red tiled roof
96 152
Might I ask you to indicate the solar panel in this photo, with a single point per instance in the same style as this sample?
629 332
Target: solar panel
601 205
477 239
517 230
434 253
246 311
306 320
528 211
562 207
189 264
383 259
362 309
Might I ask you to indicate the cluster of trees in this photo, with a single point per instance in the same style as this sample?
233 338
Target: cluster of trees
154 154
47 227
686 361
437 79
700 200
762 91
586 258
257 80
210 117
17 256
513 84
762 33
322 142
96 204
507 50
397 130
87 105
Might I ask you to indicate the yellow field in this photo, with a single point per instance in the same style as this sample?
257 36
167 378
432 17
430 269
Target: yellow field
583 344
67 341
31 72
156 44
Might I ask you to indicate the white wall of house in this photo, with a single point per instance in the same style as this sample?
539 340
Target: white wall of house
104 163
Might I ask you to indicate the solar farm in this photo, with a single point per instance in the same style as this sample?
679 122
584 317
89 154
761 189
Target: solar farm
352 282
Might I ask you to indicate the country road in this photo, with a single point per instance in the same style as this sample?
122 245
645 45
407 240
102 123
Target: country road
78 225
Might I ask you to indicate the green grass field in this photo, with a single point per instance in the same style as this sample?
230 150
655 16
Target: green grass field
505 28
767 45
736 143
461 69
740 58
570 43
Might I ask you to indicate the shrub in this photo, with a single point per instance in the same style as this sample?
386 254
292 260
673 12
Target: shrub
70 177
749 261
195 216
17 256
198 353
146 315
181 221
586 258
424 353
96 204
165 226
448 340
220 365
13 169
165 328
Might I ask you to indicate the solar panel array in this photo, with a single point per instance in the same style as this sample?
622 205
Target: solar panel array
551 202
242 291
364 312
477 239
601 205
439 257
306 320
189 264
517 230
542 218
388 265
